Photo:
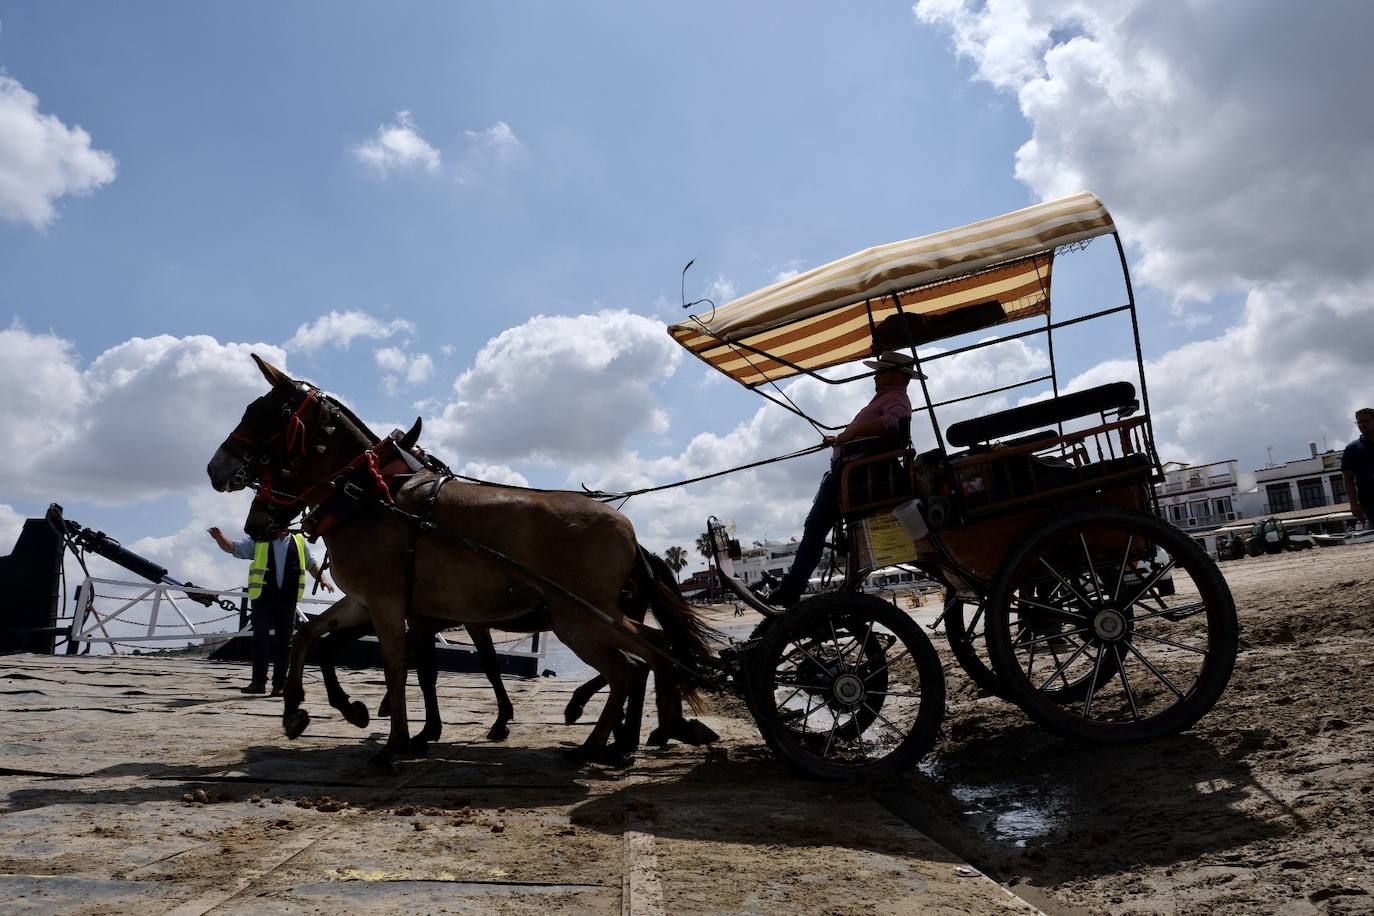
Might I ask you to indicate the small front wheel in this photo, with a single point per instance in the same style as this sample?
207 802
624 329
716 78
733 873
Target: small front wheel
846 686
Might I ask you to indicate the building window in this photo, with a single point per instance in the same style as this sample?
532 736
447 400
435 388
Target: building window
1337 488
1311 493
1176 513
1280 497
1222 506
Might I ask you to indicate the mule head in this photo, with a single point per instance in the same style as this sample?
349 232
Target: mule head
239 458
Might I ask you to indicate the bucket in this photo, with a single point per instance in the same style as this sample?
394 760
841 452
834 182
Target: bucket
909 516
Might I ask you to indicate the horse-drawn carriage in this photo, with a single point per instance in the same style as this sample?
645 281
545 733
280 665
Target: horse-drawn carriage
1065 593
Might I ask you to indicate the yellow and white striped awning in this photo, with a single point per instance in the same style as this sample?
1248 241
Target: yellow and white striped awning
948 283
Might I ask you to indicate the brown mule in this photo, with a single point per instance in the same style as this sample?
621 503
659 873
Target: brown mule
494 555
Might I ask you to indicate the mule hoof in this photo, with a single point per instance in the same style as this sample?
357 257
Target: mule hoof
498 732
658 737
418 747
572 712
294 722
356 714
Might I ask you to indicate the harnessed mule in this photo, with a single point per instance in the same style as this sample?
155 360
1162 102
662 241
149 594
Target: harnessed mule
422 545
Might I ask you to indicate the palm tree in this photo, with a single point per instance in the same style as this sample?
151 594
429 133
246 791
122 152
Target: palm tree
703 546
676 558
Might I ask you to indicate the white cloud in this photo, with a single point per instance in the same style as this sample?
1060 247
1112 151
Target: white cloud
1230 144
398 366
556 388
140 421
42 159
11 523
498 138
720 291
494 473
340 328
398 147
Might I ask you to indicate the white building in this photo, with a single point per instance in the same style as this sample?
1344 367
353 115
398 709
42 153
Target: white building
1307 483
1198 497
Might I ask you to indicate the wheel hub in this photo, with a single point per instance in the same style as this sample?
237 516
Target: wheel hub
1109 625
848 689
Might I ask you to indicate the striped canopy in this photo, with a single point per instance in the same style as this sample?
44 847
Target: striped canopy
949 283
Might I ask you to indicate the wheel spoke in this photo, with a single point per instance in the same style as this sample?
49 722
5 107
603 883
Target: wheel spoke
1092 685
830 739
1159 574
1175 613
1052 610
1121 576
905 652
1126 683
883 718
973 622
1092 570
1059 672
863 646
1064 582
1065 635
1169 642
1155 671
806 716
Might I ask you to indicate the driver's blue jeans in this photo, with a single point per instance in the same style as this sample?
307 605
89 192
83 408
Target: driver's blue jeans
825 511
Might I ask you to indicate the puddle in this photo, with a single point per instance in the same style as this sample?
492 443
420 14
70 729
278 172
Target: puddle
1008 812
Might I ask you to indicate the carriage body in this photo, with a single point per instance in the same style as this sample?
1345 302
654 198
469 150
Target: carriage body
1040 520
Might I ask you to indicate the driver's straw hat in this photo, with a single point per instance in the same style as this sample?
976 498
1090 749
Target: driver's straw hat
895 360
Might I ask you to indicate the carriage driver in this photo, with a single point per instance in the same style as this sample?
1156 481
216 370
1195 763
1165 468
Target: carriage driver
276 581
882 415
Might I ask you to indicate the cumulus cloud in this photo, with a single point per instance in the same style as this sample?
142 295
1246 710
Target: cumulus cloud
1234 147
42 159
560 387
398 147
398 366
139 421
339 329
498 138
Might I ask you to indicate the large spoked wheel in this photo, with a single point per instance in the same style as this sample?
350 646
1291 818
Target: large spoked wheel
966 634
1109 625
847 686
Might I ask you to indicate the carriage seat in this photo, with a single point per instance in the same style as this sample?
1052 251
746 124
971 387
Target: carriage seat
1114 396
875 470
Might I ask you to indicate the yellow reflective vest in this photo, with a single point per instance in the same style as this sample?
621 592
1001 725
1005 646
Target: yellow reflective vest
257 573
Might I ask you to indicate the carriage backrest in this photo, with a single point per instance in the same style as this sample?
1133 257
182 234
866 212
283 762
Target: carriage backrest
1115 396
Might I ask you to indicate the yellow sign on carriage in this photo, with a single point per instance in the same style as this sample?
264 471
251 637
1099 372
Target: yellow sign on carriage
886 541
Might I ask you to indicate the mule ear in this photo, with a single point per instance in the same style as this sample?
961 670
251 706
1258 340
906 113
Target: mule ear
271 372
409 439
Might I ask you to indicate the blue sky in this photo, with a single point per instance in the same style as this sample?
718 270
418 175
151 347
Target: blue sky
566 160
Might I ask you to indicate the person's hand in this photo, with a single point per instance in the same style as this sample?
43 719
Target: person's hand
829 440
328 586
215 533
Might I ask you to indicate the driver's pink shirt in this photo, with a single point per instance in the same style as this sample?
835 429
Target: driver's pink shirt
891 405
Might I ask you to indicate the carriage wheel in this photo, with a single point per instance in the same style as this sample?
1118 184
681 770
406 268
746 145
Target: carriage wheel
966 634
846 686
1109 625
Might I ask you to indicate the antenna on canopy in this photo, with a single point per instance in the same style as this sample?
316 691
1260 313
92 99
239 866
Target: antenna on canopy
683 293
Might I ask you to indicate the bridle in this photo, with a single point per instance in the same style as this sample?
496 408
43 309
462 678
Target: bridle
305 428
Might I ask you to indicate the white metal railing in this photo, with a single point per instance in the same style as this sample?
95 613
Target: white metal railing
149 613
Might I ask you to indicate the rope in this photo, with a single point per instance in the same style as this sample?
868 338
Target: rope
608 497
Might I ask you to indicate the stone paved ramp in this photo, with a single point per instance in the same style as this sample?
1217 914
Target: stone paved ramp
98 757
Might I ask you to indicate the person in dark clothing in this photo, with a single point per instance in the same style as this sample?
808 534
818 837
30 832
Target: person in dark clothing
1357 466
276 581
882 415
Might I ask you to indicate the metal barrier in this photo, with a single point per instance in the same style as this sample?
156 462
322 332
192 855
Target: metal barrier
151 613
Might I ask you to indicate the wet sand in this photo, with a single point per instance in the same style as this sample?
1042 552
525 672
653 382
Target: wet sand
1265 806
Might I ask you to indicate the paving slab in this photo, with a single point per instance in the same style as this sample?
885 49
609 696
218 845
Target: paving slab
148 784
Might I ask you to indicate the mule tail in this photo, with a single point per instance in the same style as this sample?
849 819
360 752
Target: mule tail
689 638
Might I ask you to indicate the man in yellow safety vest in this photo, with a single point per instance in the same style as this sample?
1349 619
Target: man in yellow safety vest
276 581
